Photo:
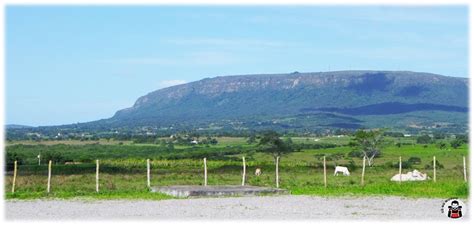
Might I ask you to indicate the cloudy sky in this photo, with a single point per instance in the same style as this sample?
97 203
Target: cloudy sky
78 64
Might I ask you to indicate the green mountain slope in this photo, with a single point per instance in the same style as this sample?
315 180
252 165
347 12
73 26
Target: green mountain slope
345 99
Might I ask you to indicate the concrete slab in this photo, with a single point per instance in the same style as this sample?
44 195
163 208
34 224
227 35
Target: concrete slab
217 191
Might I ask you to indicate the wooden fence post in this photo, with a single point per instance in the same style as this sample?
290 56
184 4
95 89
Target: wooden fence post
14 176
276 172
324 169
243 173
400 170
205 172
49 176
363 172
464 166
97 176
434 168
148 173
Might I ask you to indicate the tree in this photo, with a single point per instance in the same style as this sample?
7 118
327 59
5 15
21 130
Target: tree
271 143
251 139
369 142
423 139
12 157
213 141
464 139
55 157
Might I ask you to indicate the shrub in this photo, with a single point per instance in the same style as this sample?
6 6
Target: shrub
462 138
55 157
12 157
441 145
424 139
456 143
405 165
438 165
356 154
414 160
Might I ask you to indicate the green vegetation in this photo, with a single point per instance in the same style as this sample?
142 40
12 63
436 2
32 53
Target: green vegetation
369 143
272 144
123 168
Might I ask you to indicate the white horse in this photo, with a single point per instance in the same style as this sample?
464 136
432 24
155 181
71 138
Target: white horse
341 169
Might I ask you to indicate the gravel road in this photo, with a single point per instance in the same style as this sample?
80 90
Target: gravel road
269 208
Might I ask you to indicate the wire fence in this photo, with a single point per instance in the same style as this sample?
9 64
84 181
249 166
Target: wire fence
135 174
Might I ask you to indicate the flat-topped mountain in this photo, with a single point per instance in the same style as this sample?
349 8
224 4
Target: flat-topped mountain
339 99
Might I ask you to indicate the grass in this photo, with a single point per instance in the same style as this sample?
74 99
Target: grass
300 172
103 195
443 189
299 179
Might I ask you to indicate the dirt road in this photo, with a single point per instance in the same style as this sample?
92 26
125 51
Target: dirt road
268 208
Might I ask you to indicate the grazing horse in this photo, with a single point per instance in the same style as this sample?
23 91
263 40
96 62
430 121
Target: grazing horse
258 171
341 169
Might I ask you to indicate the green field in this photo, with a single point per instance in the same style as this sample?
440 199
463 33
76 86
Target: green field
123 169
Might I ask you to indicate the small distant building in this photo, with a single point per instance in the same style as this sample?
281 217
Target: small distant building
194 142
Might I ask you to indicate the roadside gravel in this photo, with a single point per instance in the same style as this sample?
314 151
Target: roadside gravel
285 207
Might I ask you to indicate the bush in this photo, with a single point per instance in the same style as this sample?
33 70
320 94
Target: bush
414 160
441 145
55 157
405 165
11 158
462 138
424 139
302 146
456 143
356 154
438 165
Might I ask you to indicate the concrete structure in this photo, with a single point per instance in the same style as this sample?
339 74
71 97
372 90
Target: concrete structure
216 191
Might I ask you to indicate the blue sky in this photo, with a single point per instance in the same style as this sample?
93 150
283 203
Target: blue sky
77 64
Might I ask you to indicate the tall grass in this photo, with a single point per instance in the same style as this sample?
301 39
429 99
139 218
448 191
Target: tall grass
124 176
129 180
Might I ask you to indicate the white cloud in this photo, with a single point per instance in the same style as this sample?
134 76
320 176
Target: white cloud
169 83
